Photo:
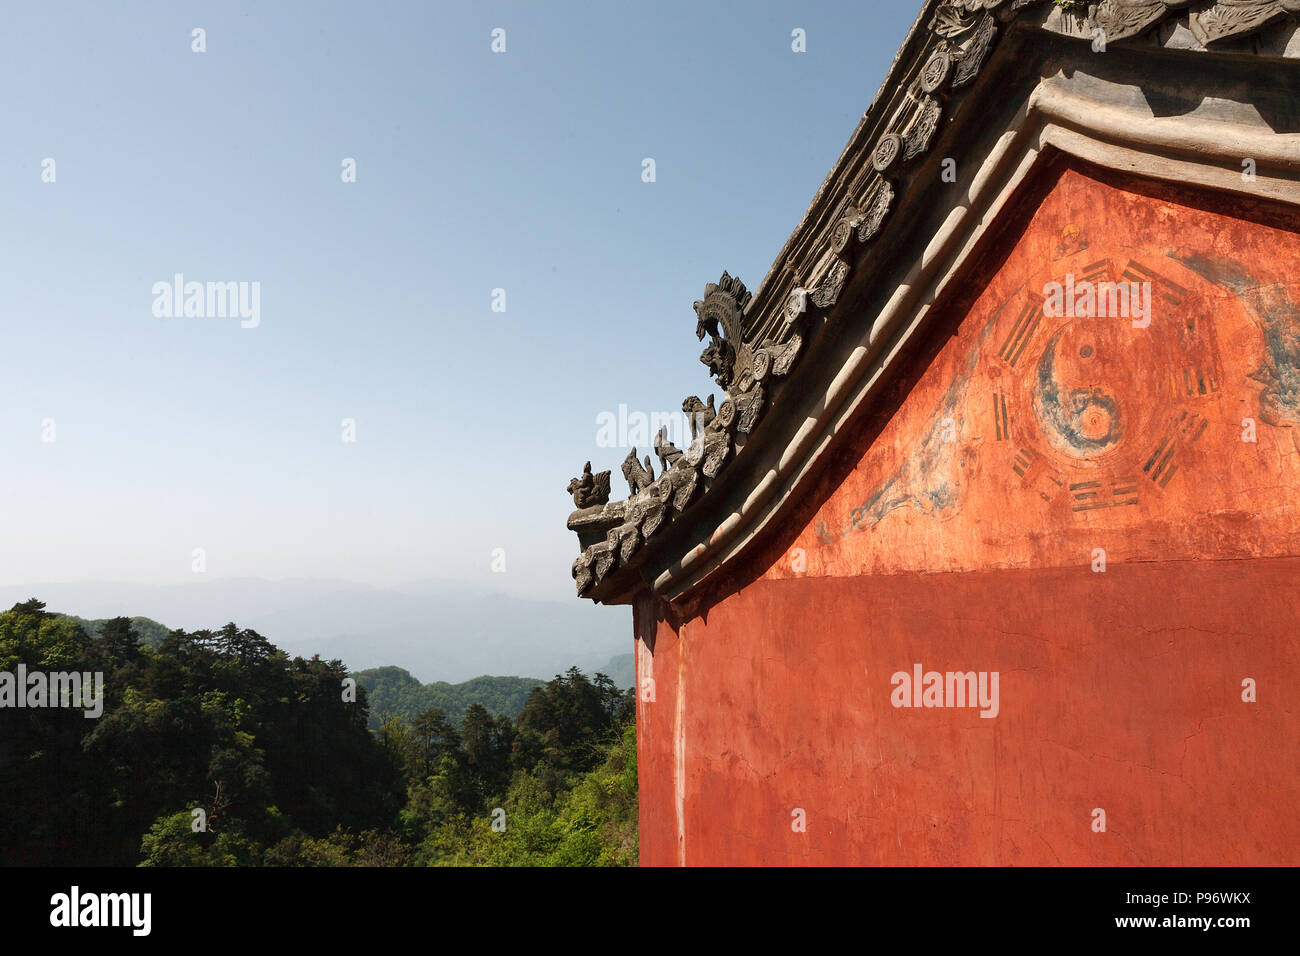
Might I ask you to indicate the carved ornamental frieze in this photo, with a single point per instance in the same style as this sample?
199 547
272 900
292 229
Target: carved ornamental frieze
1209 22
746 369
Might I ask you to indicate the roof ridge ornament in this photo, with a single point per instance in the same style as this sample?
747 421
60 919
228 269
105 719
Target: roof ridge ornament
588 490
720 314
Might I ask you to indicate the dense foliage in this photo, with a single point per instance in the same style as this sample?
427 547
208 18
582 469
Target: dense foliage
272 754
555 787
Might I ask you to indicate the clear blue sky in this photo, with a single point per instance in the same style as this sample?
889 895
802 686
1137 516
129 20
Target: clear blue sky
475 171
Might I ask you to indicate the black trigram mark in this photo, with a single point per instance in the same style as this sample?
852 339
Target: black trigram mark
1026 325
1135 272
1000 416
1189 428
1036 474
1054 480
1194 381
1024 458
1092 495
1097 272
1193 428
1159 462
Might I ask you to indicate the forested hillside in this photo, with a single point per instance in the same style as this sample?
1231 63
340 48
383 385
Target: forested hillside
395 691
217 748
147 630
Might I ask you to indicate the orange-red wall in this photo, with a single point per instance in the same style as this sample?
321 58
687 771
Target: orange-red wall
966 535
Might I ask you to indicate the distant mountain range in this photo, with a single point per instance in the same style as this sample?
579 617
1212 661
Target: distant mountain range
435 630
392 690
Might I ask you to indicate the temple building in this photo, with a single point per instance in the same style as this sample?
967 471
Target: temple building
988 552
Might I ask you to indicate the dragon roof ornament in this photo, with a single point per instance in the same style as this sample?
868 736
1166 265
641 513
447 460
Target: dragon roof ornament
756 338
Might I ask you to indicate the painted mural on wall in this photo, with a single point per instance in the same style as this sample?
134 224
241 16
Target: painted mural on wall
1119 374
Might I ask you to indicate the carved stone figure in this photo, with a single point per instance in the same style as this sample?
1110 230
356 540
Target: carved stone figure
718 315
590 490
667 452
638 478
700 414
720 357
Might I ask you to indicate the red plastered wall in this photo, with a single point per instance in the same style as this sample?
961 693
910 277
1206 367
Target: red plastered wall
966 533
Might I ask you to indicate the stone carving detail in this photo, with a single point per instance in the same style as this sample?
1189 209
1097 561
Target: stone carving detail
1209 22
796 304
783 357
844 227
720 357
953 19
666 451
719 315
624 541
699 414
876 216
922 132
748 407
846 223
603 557
715 456
1230 18
888 149
590 490
648 514
638 478
828 290
936 71
726 415
582 574
682 482
1120 19
976 49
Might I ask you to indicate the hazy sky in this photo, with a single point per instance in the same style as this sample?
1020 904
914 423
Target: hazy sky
475 171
